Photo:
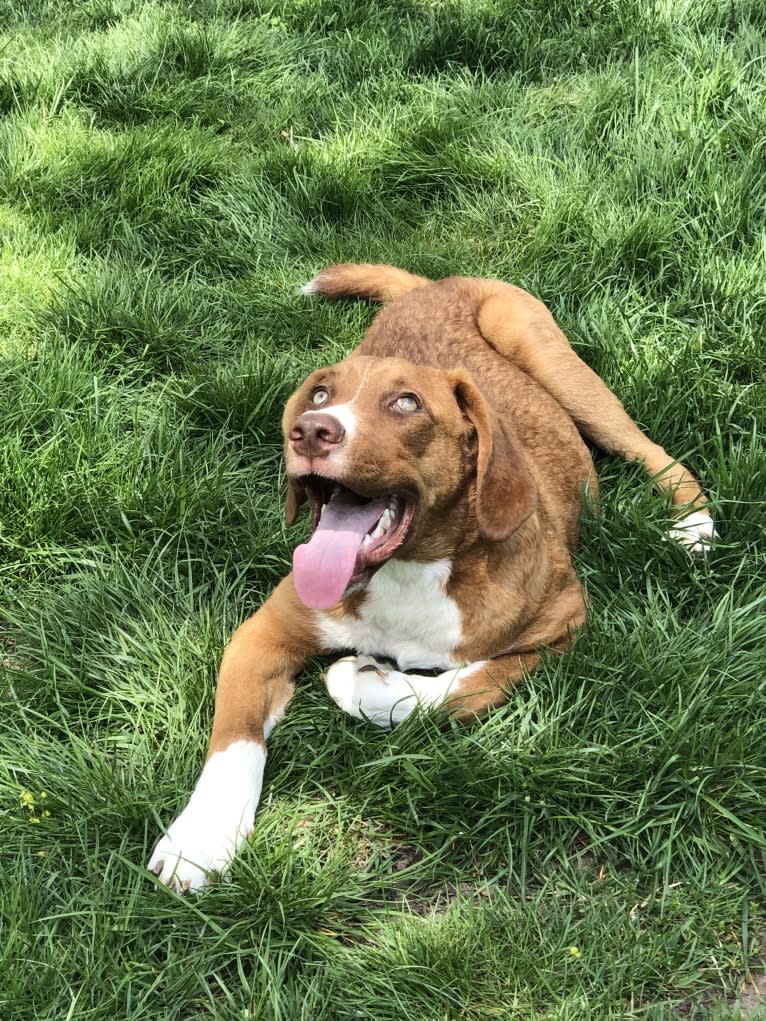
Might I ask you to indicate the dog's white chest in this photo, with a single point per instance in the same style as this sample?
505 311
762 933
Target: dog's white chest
406 615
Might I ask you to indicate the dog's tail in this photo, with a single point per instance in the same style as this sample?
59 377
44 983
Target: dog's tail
375 281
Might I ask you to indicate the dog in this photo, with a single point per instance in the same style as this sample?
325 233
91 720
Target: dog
444 466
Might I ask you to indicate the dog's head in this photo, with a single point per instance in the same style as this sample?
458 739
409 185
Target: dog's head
387 452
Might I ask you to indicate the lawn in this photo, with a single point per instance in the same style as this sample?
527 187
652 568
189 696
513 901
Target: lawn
170 173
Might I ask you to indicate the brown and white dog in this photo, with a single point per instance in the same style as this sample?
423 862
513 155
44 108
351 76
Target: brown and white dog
444 468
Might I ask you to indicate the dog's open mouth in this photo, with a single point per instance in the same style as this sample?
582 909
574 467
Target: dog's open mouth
351 535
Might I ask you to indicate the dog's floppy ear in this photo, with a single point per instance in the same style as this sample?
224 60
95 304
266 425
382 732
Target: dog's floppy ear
505 491
296 497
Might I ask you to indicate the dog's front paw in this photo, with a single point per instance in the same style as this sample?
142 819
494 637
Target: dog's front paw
696 531
348 682
216 822
371 691
191 851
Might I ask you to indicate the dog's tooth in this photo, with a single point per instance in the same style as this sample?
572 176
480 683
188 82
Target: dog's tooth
385 519
366 541
378 532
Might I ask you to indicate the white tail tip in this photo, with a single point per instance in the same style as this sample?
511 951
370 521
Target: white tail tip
309 288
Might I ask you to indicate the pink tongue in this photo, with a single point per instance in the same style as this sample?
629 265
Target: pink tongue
322 567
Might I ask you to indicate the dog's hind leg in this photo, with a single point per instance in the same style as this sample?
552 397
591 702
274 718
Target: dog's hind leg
521 328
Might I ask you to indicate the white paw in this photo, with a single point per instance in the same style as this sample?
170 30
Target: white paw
696 531
188 854
216 822
369 690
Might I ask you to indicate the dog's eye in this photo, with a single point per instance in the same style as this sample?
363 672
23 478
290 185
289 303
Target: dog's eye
406 403
319 396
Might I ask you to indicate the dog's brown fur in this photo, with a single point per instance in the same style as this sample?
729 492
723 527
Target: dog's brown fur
497 465
500 477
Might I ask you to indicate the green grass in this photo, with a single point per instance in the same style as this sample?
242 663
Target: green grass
169 173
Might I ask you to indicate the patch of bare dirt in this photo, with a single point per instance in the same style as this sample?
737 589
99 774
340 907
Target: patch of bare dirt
752 999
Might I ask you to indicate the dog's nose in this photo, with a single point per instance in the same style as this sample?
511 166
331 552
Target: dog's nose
316 434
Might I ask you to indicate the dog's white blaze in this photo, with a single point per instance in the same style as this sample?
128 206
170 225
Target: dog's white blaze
406 614
369 690
342 412
217 820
